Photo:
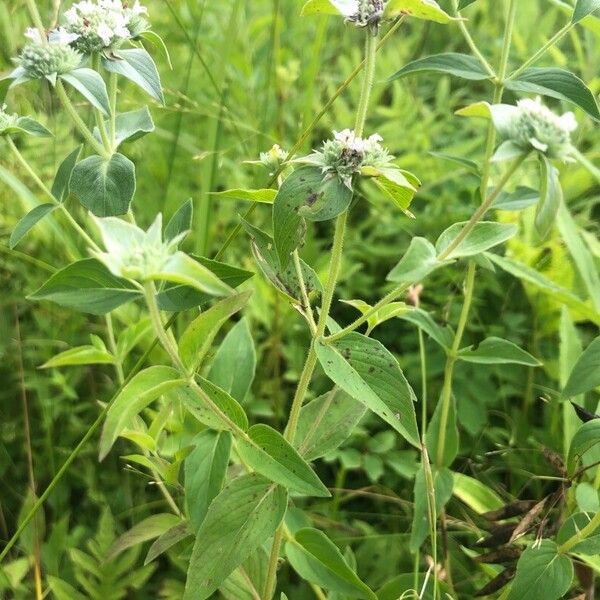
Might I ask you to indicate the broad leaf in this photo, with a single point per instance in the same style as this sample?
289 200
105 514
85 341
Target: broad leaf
267 451
167 540
390 311
240 519
248 581
91 86
104 187
363 368
551 196
572 526
395 185
421 9
60 186
28 222
464 3
184 270
521 198
181 221
87 285
585 375
143 389
477 495
130 126
423 320
205 469
264 196
148 529
496 351
200 333
81 355
583 8
419 260
483 236
545 285
29 126
317 559
450 63
326 422
542 573
305 193
556 83
284 279
586 437
136 65
234 365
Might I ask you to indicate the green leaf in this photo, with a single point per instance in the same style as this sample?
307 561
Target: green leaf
585 375
248 581
267 451
521 198
542 573
496 351
168 539
452 439
264 196
234 365
573 525
61 590
198 407
29 126
556 83
28 222
468 164
551 196
104 187
200 333
328 7
317 559
586 437
443 482
184 270
136 65
483 236
91 86
423 320
205 469
478 496
87 285
395 185
363 368
583 8
390 311
142 390
284 279
450 63
419 260
582 257
326 422
181 221
464 3
305 193
148 529
81 355
421 9
130 126
178 298
545 285
61 184
240 519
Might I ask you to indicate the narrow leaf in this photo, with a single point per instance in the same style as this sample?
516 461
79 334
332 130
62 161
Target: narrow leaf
28 222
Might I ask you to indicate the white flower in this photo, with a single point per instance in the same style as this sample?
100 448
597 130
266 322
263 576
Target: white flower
532 126
61 36
347 153
33 34
7 120
360 12
132 252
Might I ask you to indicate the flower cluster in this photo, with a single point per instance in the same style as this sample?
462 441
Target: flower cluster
132 252
7 120
347 153
104 24
48 57
533 125
368 13
274 158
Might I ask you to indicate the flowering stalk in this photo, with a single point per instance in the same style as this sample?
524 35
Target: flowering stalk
334 268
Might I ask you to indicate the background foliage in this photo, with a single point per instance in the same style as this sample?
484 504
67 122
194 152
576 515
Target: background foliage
246 75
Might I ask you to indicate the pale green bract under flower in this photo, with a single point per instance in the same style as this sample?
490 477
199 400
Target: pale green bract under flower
347 153
131 252
532 126
38 60
7 120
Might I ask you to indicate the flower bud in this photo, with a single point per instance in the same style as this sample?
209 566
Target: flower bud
7 120
39 60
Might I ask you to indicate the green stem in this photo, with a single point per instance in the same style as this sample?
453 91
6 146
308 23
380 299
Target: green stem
98 115
587 164
551 42
78 122
450 362
37 20
112 345
307 308
334 269
71 220
112 95
581 535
